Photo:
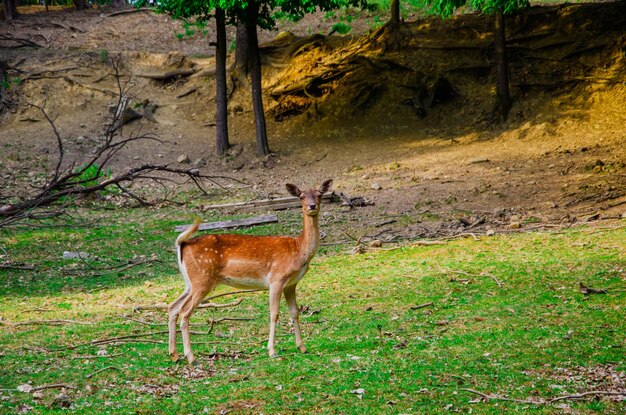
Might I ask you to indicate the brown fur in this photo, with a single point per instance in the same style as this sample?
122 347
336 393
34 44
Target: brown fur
275 263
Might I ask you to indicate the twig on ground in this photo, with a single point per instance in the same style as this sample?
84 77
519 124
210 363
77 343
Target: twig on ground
203 305
428 243
213 322
96 356
230 293
120 12
545 401
417 307
17 267
43 387
497 281
102 370
48 322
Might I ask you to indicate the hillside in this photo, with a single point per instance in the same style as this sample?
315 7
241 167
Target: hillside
343 107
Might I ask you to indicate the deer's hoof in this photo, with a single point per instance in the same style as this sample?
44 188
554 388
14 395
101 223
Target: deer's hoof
273 355
302 349
175 357
191 360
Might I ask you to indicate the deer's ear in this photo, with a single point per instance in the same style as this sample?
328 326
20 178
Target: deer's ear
293 190
326 186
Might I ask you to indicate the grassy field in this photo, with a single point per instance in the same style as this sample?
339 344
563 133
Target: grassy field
371 350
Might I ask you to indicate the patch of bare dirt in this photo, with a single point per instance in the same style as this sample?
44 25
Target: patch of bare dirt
344 107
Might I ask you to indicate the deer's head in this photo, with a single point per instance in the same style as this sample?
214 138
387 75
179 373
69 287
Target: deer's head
310 199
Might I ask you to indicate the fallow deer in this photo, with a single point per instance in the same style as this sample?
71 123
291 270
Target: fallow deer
274 263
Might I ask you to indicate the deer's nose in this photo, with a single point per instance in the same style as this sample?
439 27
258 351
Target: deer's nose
312 207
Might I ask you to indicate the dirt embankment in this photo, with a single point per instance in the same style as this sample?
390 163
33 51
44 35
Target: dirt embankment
363 110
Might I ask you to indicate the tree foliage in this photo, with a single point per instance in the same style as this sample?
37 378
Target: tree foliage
445 8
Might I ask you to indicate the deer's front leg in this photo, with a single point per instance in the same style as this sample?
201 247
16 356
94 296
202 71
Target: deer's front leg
290 297
275 293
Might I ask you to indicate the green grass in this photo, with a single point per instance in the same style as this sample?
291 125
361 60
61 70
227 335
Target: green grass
537 336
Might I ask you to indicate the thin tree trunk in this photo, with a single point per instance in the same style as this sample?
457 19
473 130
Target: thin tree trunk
81 4
4 84
10 10
221 115
503 96
242 61
252 11
395 12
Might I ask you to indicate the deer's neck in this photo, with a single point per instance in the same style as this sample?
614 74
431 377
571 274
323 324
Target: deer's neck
309 239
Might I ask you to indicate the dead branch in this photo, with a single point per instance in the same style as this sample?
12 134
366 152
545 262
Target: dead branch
212 322
589 393
21 42
417 307
128 11
231 293
102 370
48 322
203 305
43 387
428 243
89 356
68 180
17 267
544 401
216 305
164 76
234 223
497 281
112 269
500 398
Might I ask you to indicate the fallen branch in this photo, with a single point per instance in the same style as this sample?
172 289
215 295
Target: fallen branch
235 223
96 356
121 12
497 281
417 307
102 370
216 305
48 322
113 269
545 401
67 180
22 42
17 267
428 243
164 76
589 290
203 305
280 201
42 387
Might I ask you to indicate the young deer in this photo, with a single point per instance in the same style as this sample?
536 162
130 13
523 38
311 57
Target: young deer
274 263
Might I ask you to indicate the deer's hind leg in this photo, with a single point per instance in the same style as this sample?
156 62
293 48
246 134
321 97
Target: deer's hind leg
194 298
172 312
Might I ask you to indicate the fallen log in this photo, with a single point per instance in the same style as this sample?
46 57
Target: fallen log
235 223
164 76
275 204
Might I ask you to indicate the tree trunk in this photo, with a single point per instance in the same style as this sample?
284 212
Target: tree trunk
242 60
395 12
10 10
252 12
221 115
503 96
80 4
4 84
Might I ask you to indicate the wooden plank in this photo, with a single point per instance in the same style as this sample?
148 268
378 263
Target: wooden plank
267 202
234 223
